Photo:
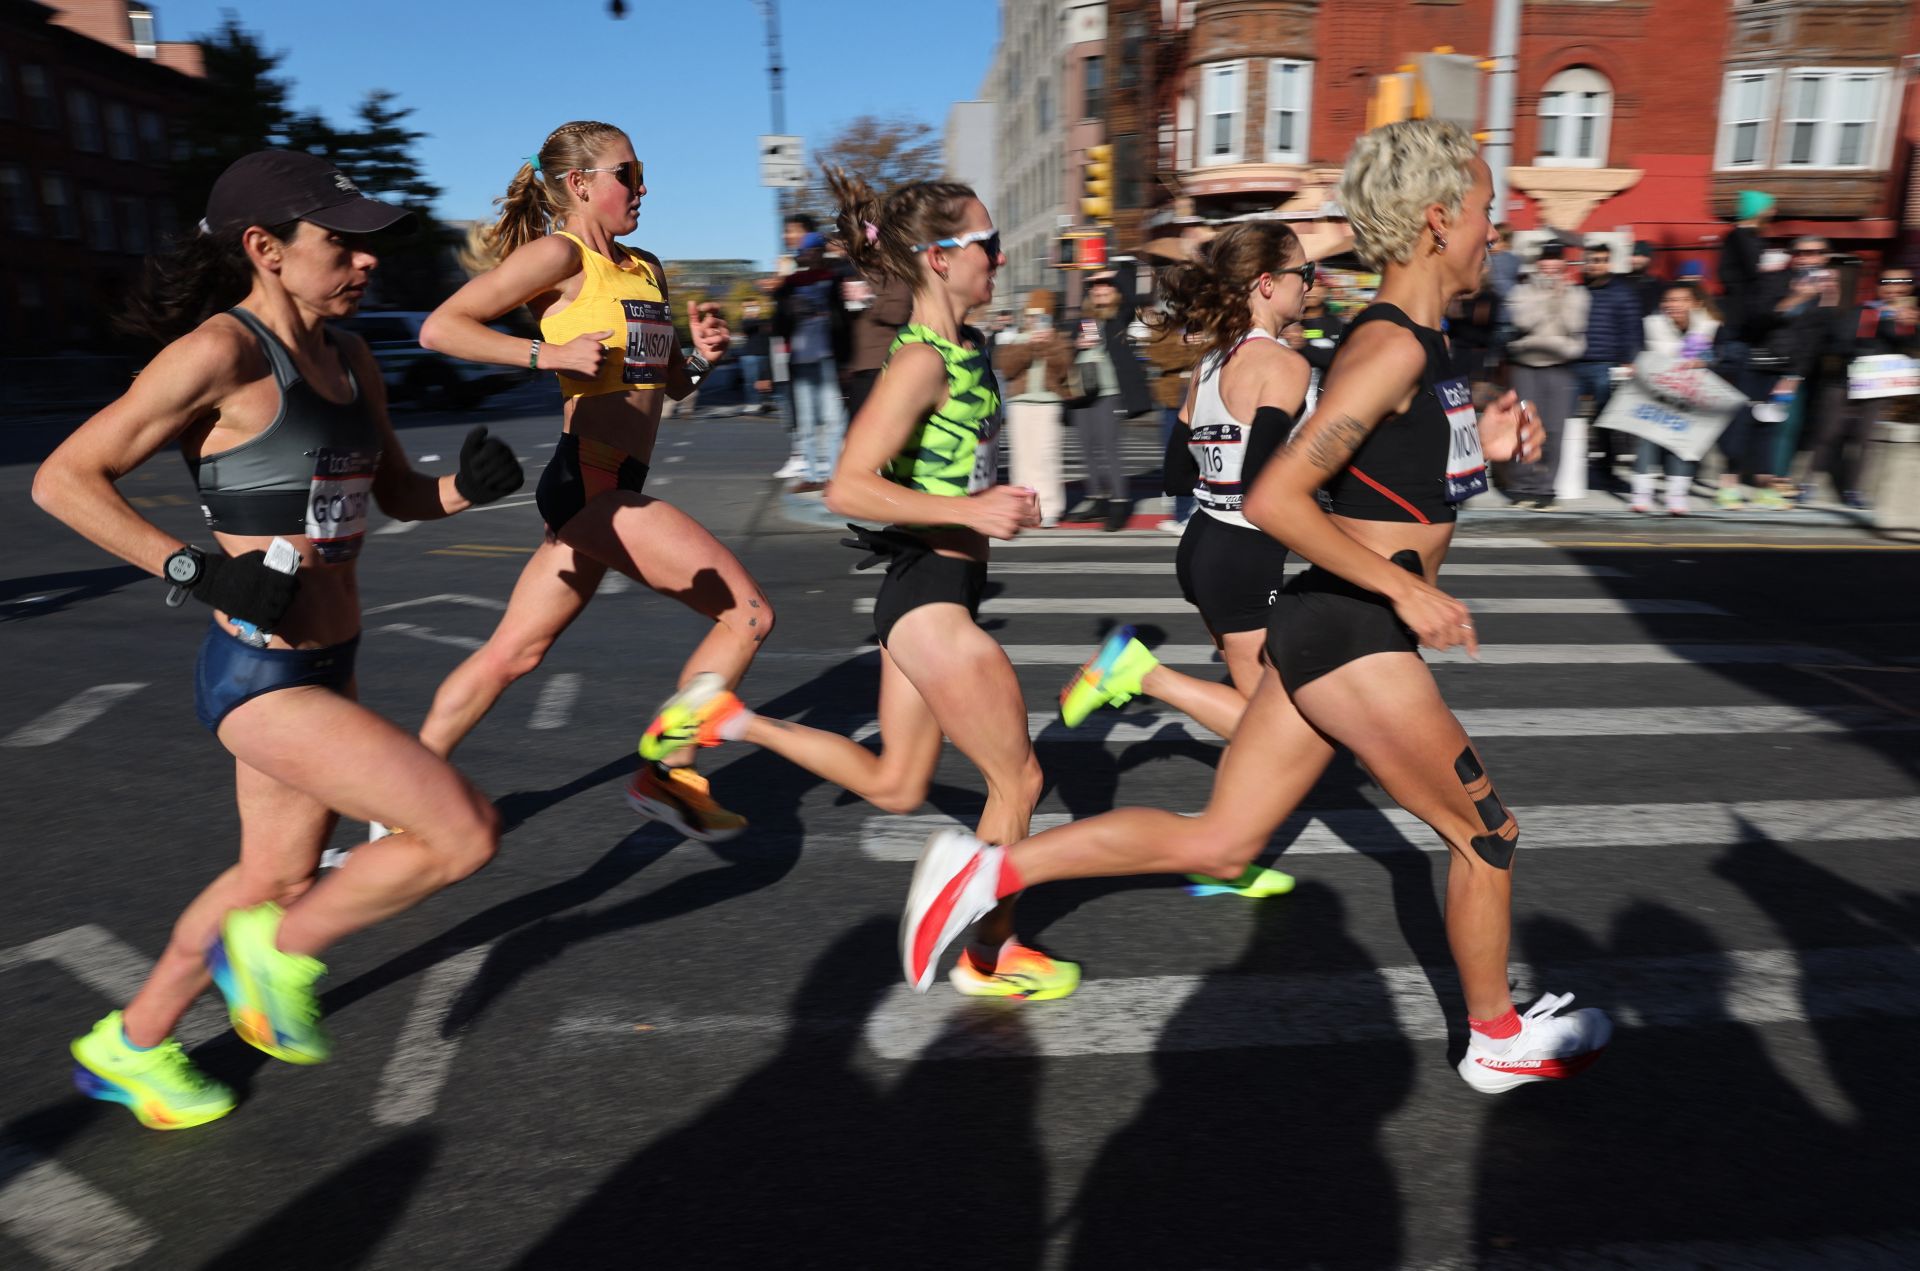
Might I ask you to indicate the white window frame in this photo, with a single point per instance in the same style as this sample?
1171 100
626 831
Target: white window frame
1769 81
1570 83
1827 128
1186 133
1303 124
1235 73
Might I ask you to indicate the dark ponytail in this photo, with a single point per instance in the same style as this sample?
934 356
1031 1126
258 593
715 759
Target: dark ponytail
879 232
198 275
1208 295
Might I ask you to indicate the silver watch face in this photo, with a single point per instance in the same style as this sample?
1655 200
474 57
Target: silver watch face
182 569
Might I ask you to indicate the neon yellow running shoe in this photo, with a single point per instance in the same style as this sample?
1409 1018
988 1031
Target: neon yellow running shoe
159 1085
1019 972
1111 678
270 995
1256 882
691 717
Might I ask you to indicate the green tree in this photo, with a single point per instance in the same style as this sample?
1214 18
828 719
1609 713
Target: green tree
379 154
243 108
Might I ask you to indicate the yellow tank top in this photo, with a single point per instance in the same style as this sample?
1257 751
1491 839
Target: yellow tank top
626 299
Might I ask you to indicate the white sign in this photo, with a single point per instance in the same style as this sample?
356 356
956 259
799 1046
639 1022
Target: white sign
1677 407
783 162
1883 375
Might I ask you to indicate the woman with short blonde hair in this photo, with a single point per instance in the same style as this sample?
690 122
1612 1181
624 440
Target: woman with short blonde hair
1365 491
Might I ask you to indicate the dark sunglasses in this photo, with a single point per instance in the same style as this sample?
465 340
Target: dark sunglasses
1308 273
632 173
989 240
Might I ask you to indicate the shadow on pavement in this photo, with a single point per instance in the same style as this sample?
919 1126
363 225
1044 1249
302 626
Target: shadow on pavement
813 1161
338 1223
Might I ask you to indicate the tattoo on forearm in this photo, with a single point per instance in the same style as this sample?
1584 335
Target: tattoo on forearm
1331 445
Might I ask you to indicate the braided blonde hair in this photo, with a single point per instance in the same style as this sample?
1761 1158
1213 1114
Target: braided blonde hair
536 199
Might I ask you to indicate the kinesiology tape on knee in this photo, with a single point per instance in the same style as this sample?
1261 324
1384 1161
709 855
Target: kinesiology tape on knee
1503 835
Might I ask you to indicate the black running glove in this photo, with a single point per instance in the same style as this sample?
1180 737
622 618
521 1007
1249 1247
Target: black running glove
243 587
488 470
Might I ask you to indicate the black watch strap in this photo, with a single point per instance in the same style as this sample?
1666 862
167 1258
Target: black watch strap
184 569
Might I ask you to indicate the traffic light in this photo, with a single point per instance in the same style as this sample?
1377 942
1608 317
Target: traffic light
1096 202
1437 85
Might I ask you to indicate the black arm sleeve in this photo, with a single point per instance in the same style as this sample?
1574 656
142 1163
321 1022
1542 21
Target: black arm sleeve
1179 472
1271 428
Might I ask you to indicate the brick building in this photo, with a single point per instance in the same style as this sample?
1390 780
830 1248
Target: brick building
90 103
1641 117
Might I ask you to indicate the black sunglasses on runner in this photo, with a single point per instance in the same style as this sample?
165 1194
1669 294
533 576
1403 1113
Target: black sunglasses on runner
1308 273
632 173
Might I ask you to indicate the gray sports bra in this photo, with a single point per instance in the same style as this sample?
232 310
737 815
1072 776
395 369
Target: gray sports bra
309 473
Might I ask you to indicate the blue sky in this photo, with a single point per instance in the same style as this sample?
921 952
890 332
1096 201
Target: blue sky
686 78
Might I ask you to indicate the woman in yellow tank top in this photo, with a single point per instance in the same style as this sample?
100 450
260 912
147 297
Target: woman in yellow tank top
607 329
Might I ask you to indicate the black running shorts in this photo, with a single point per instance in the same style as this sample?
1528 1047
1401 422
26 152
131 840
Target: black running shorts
1321 622
1230 573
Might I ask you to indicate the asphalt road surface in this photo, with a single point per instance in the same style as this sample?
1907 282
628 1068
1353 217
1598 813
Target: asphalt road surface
617 1048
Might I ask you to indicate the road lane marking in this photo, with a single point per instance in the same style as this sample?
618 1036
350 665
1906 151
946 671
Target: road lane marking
426 633
1147 538
64 1220
1492 654
423 1057
1123 605
444 598
501 507
557 696
112 968
70 716
1465 569
1389 830
1632 721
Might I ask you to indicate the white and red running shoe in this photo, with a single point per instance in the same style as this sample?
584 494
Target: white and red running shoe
1548 1047
953 888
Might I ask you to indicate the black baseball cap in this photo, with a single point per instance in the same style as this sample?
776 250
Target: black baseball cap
1551 250
271 187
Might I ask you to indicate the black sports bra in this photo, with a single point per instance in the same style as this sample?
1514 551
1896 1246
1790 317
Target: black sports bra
309 472
1417 465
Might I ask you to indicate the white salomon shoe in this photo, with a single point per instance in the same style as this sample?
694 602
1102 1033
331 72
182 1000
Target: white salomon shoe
953 887
1548 1047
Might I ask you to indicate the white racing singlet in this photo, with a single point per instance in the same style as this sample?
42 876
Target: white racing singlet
1219 441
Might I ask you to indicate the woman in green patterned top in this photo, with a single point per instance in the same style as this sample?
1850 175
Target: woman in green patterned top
922 458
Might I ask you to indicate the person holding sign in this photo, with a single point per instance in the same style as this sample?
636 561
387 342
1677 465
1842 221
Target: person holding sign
1684 329
923 459
607 329
283 423
1886 327
1365 490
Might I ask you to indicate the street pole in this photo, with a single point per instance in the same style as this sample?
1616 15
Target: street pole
770 11
1498 150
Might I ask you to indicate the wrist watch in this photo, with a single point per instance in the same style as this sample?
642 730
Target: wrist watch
697 366
183 569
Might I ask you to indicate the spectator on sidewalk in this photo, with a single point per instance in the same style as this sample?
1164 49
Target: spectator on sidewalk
1033 366
1648 287
1740 252
1755 351
1820 339
1684 328
877 314
1116 390
1173 355
1549 317
1887 324
756 359
1614 335
811 316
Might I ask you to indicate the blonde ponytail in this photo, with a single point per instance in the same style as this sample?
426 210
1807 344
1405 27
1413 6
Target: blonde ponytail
536 200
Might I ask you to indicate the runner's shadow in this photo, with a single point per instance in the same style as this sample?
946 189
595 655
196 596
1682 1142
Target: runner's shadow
811 1161
339 1222
1688 1123
79 586
1257 1157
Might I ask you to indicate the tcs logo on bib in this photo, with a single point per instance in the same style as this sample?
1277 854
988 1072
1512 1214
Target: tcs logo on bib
650 342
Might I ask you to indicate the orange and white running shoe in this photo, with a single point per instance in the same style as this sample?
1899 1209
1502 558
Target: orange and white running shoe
1020 972
679 797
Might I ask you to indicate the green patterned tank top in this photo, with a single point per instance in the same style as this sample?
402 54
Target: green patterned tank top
956 450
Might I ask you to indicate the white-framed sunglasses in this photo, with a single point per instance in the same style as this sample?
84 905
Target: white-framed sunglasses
987 238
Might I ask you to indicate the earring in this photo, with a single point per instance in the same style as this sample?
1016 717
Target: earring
1439 241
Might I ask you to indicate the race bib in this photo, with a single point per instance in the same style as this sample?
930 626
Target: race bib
337 502
650 341
986 458
1219 451
1466 465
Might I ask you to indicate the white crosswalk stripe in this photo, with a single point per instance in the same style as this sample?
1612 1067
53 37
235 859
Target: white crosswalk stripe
68 718
1129 568
1491 655
1585 606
